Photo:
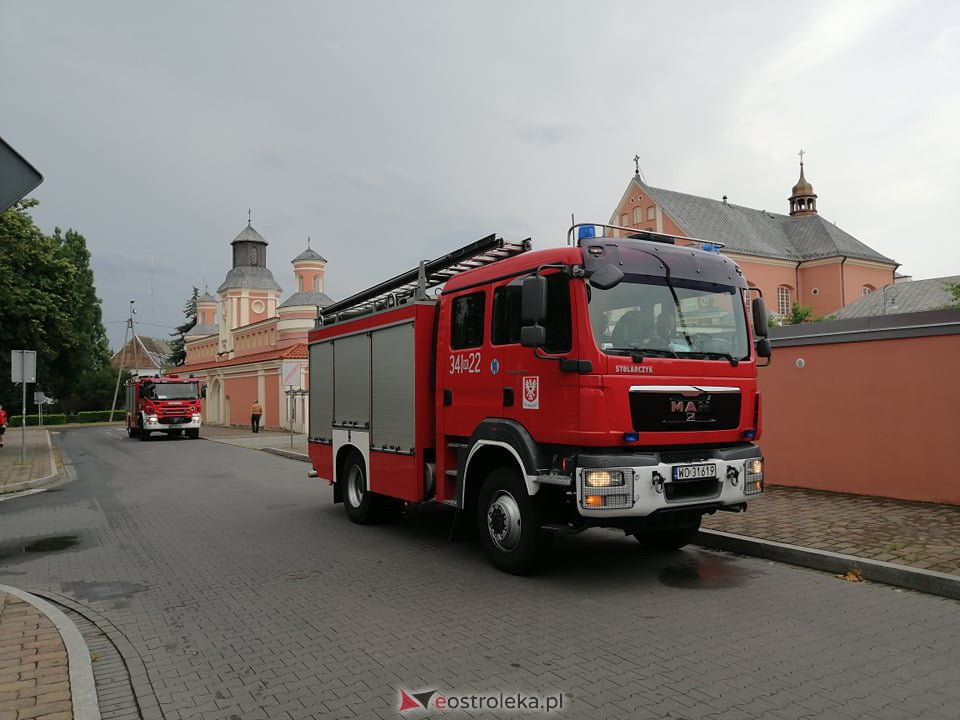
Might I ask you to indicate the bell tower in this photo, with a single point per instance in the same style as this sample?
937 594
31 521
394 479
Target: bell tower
803 200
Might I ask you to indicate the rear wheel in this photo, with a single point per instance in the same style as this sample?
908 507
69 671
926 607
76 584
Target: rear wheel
509 523
672 539
357 499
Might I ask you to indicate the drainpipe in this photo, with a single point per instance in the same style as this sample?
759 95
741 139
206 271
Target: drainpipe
843 290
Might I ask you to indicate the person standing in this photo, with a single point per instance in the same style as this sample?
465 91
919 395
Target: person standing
256 410
3 424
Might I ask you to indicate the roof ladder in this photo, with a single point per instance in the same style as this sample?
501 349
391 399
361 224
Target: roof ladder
415 283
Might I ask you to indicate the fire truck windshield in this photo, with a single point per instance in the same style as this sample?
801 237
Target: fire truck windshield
643 315
170 391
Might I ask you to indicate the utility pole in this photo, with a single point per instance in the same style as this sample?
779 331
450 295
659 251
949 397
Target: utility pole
123 355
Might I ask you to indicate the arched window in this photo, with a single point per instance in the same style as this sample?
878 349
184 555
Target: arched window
624 220
316 283
866 290
783 300
637 215
300 283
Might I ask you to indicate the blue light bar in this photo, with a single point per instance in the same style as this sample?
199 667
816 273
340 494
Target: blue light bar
586 231
631 437
750 434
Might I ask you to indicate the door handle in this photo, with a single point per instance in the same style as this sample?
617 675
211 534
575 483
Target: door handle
508 397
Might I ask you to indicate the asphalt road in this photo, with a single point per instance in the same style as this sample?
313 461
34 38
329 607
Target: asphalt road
248 594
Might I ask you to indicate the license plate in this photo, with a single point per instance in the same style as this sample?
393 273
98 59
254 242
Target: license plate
694 472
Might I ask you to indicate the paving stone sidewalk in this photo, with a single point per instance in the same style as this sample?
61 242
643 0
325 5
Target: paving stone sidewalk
34 674
37 456
920 535
242 437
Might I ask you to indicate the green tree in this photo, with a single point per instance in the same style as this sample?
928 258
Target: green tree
178 354
954 289
48 303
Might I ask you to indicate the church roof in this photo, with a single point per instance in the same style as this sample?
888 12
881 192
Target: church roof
249 277
309 254
901 297
200 330
248 234
759 233
307 298
206 298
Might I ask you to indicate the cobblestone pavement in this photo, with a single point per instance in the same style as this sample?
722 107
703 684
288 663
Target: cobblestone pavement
34 679
922 535
37 457
247 594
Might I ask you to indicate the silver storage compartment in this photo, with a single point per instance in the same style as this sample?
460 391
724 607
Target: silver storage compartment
394 391
321 390
351 398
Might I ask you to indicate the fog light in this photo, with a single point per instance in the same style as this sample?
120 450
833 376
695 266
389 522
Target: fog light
593 501
603 478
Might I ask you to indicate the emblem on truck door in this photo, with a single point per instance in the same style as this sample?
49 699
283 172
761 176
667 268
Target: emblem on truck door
531 393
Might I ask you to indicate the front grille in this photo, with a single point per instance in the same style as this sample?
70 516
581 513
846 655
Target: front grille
665 412
173 420
691 489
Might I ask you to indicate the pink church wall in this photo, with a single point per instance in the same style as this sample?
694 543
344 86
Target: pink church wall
826 279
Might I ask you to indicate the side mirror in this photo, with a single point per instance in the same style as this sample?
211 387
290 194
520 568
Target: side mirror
760 322
533 336
533 301
607 277
763 348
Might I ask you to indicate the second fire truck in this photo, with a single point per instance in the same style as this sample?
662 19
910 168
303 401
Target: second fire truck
612 382
167 404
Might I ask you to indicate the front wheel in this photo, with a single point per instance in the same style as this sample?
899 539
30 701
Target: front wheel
141 433
193 433
672 539
509 523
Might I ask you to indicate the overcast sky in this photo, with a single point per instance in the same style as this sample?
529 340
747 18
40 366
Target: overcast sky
395 131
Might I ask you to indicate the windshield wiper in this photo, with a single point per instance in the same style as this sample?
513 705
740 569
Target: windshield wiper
639 353
713 354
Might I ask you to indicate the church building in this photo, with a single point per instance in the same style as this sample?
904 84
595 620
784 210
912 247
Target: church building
798 258
248 345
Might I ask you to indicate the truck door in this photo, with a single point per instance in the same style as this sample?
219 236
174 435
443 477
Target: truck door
464 391
533 390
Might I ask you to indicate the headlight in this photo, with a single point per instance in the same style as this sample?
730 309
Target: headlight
603 478
753 476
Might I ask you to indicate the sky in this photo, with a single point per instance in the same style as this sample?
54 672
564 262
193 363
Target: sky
391 132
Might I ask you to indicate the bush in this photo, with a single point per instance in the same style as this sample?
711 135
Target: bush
51 419
90 416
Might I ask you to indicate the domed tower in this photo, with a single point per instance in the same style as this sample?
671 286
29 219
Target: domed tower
249 293
206 309
298 312
803 200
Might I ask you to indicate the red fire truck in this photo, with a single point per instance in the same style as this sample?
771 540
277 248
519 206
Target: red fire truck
611 382
168 404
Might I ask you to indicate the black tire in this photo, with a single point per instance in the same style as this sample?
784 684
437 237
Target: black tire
509 523
141 433
131 432
358 501
193 433
672 539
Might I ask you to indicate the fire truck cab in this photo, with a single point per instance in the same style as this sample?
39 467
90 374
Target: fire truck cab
169 404
611 383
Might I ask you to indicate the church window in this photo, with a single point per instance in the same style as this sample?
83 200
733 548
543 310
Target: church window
316 283
299 283
866 290
783 300
624 219
637 215
651 213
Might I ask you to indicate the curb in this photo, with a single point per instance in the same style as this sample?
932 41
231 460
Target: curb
302 457
38 482
83 691
148 705
927 581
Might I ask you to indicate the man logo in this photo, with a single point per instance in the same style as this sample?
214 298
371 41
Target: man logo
679 406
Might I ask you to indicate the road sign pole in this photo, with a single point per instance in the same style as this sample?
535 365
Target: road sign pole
23 416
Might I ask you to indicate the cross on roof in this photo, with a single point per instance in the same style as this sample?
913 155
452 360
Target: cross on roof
801 154
636 163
